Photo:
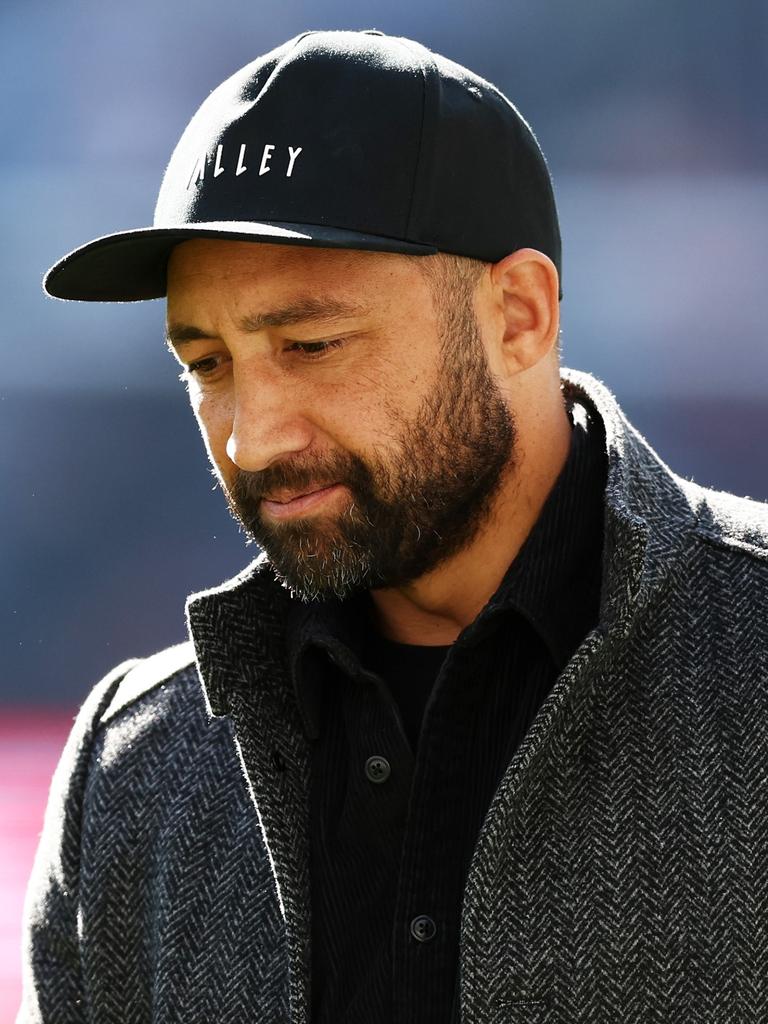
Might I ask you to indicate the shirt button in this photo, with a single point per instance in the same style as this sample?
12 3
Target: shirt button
377 768
423 928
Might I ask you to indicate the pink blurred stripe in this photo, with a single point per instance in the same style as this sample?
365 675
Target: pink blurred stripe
30 744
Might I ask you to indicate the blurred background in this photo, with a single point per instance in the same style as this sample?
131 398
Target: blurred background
652 118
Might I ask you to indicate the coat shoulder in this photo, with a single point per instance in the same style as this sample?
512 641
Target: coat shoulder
729 521
146 674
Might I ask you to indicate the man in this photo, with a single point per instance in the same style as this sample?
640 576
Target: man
481 735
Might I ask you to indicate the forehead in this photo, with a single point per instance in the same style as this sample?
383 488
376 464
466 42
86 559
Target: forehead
215 270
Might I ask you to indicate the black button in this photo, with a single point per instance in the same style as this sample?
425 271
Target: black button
377 768
423 928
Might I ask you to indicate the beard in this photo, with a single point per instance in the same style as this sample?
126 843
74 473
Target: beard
411 510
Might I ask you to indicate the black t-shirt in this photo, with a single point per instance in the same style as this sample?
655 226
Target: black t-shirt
410 671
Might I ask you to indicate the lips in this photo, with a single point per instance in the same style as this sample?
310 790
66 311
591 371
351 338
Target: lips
283 497
287 504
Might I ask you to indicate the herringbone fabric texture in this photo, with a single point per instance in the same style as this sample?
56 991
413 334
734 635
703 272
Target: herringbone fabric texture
620 875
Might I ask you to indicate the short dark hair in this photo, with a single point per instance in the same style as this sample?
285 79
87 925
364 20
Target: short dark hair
453 279
450 277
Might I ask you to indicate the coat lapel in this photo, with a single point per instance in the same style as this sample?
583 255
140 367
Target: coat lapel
238 638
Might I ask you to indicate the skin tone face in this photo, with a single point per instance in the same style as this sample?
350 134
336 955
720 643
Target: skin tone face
364 438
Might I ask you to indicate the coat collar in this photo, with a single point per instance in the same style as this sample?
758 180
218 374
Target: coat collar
648 513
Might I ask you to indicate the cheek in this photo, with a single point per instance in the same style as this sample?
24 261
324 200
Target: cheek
358 419
385 393
403 403
214 419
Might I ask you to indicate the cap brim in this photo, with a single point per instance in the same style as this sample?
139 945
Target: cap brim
131 265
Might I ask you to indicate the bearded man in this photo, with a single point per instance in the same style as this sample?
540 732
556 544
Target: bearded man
480 735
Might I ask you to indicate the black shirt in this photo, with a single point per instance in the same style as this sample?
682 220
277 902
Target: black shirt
409 745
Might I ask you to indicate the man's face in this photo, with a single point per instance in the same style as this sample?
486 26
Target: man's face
356 431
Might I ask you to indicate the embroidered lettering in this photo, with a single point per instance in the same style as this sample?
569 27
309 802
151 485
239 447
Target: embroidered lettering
198 171
293 154
220 167
266 156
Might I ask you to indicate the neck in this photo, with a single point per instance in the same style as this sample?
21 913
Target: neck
435 608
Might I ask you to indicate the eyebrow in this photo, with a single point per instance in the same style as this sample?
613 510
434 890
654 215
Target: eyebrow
303 310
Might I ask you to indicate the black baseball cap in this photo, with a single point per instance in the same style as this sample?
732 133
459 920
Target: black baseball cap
337 139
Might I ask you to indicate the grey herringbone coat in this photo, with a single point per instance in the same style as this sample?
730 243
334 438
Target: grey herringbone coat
620 875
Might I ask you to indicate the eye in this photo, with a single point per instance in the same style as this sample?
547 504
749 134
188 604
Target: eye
201 368
315 349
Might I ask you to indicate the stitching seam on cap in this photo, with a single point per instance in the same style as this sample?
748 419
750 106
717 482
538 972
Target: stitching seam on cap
428 73
279 63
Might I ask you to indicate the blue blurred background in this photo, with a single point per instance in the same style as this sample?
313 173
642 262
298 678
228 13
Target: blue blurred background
652 117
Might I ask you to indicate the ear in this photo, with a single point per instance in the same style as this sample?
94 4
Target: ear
525 293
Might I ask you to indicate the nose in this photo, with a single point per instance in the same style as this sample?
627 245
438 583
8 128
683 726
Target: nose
267 423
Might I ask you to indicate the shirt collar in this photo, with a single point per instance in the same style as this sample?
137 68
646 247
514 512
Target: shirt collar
554 581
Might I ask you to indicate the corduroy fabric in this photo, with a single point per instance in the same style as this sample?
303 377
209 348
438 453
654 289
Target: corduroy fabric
621 871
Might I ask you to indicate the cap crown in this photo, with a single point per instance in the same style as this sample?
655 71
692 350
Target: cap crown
319 131
370 133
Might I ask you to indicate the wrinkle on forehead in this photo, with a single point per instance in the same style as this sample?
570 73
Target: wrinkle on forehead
245 278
